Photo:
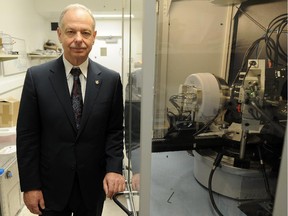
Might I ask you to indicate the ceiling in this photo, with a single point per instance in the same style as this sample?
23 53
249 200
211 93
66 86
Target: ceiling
51 9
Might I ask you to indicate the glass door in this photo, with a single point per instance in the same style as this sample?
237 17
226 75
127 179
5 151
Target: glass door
132 29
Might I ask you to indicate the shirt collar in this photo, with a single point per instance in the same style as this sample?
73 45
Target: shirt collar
68 66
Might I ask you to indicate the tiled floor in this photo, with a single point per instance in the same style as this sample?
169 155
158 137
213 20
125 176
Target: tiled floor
110 209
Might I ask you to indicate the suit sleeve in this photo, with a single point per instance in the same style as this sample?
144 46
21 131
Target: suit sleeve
114 140
28 137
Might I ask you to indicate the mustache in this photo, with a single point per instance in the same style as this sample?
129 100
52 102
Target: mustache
78 47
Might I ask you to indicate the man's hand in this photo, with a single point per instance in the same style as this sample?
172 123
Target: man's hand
136 182
33 199
113 183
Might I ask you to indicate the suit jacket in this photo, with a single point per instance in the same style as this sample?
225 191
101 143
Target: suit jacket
50 151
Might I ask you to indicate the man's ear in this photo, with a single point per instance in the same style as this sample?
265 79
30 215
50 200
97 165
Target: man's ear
94 34
59 34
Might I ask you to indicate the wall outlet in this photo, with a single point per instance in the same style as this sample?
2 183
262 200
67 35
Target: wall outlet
254 62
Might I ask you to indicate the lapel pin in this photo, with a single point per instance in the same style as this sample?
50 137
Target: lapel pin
97 82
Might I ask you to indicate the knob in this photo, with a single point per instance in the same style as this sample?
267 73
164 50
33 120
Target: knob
9 174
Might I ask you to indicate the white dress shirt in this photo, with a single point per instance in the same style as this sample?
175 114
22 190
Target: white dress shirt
83 76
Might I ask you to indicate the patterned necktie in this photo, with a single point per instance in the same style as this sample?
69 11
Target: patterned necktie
76 96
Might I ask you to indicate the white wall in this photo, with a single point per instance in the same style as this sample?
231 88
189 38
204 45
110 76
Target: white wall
31 21
114 28
19 19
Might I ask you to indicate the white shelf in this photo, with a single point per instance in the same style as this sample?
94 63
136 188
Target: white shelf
42 56
6 57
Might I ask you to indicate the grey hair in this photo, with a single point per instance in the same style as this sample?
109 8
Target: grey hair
75 6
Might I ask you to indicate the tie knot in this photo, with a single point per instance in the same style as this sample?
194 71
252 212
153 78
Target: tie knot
75 72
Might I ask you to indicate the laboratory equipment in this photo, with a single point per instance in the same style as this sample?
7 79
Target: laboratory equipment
11 201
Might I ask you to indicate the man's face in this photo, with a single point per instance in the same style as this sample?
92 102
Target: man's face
76 35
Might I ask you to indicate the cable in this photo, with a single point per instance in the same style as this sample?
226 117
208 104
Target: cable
215 165
206 125
252 19
172 100
277 126
247 55
267 187
274 51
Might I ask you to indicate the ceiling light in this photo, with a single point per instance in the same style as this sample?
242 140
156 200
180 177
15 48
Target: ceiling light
111 16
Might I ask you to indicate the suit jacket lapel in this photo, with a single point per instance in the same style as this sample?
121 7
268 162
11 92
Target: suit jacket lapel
93 85
58 80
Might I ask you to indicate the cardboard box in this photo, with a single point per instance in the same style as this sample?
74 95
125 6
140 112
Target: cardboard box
9 109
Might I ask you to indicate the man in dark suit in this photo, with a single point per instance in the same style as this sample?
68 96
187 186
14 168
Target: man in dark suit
67 167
